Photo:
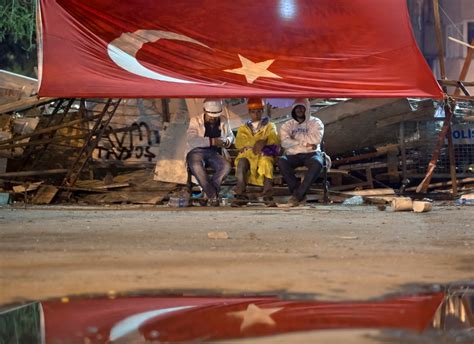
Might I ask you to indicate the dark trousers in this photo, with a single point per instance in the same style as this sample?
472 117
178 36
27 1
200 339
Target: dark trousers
197 160
241 172
287 164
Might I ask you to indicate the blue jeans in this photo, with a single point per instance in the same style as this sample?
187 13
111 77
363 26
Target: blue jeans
198 159
287 165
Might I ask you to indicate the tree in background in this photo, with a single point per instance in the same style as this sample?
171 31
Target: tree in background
18 36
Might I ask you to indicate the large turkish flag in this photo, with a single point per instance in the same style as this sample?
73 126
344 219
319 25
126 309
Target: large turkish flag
269 48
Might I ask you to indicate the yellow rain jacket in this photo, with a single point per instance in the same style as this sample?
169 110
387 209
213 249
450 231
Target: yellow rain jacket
261 166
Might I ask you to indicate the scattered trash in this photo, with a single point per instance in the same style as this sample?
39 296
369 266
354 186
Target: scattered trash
27 187
356 200
463 201
467 199
4 198
218 235
181 200
178 202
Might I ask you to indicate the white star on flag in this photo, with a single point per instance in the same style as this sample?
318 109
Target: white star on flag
253 70
255 315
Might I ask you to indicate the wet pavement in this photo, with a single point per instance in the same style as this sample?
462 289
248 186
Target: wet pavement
436 314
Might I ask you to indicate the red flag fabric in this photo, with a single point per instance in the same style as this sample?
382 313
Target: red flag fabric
239 48
191 319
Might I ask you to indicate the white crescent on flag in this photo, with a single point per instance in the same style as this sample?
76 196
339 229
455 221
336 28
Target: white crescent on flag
123 52
133 322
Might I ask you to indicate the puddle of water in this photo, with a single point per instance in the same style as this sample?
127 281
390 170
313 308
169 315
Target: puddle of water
138 319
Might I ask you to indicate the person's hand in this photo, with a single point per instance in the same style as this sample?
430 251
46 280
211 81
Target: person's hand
218 142
258 146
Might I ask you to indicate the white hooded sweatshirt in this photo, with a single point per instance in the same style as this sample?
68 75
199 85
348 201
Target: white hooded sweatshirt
294 135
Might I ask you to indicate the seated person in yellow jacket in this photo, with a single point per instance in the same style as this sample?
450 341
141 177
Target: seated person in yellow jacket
258 143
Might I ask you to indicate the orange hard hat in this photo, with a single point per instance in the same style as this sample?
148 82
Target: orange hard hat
255 104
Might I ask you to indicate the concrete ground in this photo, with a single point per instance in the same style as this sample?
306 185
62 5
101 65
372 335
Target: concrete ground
331 252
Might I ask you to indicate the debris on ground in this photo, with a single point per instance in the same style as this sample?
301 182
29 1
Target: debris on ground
422 206
39 142
218 235
402 204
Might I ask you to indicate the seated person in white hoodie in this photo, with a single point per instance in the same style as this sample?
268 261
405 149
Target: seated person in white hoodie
301 137
208 136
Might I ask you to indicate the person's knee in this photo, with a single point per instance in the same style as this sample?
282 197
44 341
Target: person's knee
243 164
193 158
314 164
315 161
266 161
282 162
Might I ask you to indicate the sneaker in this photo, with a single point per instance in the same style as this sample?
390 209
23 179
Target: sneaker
203 202
239 201
293 201
269 202
214 202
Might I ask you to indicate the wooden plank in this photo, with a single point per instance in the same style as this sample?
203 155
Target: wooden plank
456 83
443 184
32 173
24 104
357 158
45 194
55 139
95 186
372 192
27 187
349 186
126 197
458 97
439 39
363 166
422 207
368 175
48 129
79 189
17 82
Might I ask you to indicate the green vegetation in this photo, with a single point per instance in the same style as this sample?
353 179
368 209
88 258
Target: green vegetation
17 36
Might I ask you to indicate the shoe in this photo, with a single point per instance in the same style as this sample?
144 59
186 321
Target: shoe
239 201
269 202
293 201
214 202
203 202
